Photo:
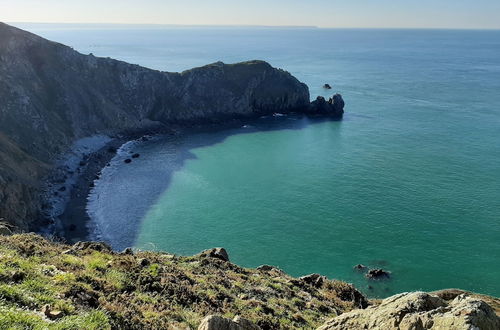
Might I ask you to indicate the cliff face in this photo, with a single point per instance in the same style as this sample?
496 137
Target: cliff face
51 95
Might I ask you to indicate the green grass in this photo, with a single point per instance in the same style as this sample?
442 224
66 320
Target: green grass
93 289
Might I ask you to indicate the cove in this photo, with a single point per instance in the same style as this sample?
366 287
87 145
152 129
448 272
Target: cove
304 196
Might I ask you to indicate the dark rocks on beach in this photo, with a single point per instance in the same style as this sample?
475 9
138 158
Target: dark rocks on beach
127 161
136 155
327 86
377 274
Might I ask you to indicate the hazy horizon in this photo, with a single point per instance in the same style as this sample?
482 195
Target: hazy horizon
426 14
159 25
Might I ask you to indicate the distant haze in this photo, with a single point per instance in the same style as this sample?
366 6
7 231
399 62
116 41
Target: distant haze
467 14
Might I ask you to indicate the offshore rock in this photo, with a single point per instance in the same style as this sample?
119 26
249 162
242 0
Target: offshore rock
333 107
377 274
419 310
53 96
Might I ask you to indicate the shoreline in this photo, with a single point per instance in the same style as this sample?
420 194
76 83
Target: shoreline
71 222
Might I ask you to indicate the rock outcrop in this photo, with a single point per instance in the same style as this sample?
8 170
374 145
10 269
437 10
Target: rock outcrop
52 96
333 107
419 310
214 322
217 253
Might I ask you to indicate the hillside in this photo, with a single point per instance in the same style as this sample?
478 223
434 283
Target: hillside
44 284
88 286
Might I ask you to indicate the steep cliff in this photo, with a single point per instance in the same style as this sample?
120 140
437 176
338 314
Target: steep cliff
51 96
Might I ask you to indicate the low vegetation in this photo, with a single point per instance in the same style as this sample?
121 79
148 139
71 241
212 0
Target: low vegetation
48 285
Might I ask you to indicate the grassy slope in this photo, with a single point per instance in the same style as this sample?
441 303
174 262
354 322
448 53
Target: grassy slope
92 289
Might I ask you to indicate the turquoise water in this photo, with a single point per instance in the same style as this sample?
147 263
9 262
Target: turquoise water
409 181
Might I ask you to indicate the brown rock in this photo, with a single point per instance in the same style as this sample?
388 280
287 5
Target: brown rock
214 322
96 246
52 314
217 253
316 280
419 310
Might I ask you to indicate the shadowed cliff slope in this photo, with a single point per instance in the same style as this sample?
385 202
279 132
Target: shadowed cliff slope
51 95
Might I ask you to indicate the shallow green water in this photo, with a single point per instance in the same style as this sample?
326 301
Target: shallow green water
306 201
408 181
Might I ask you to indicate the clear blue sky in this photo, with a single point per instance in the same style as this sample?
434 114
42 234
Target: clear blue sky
322 13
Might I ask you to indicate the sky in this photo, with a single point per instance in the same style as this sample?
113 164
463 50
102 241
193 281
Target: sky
466 14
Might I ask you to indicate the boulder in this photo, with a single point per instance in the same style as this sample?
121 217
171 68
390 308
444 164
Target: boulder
214 322
268 268
127 251
143 262
96 246
327 86
52 314
419 310
315 280
217 253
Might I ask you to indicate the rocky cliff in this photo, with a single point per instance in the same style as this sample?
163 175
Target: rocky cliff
51 96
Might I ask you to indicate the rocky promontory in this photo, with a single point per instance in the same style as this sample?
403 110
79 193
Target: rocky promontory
52 96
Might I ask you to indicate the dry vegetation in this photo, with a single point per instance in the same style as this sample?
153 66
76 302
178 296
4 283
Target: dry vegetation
86 286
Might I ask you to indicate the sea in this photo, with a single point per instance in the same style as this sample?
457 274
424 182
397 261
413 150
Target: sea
408 181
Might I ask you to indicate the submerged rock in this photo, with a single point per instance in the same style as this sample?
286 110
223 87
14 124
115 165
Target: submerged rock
360 267
377 274
419 310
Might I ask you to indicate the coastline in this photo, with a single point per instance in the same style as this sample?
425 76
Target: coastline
70 220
